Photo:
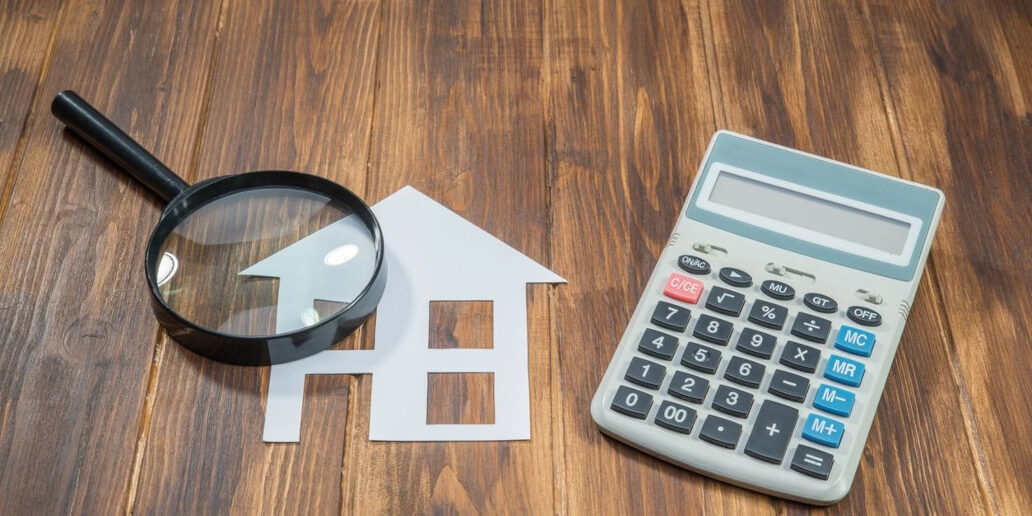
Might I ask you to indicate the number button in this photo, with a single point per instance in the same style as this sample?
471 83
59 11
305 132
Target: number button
675 417
812 462
683 288
771 432
777 290
735 277
688 387
632 402
768 314
790 386
693 264
864 316
744 372
811 327
713 330
820 303
670 316
658 344
756 343
700 358
822 430
721 432
732 401
798 356
725 301
645 373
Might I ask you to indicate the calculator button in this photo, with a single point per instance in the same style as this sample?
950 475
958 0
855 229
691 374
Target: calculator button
683 288
855 341
812 462
777 289
822 430
744 372
798 356
735 277
844 371
864 316
658 344
834 400
725 301
721 432
790 386
645 373
693 264
771 432
732 401
756 343
714 330
671 316
700 358
811 327
768 314
820 303
632 402
673 416
688 387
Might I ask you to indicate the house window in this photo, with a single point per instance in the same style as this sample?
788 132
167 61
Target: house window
461 324
460 398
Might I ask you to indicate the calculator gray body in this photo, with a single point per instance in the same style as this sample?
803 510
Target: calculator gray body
759 251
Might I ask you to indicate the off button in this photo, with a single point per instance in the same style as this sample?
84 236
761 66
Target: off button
864 316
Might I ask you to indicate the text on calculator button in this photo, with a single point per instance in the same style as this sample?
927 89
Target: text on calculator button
812 462
683 288
798 356
834 400
693 264
658 344
844 371
632 402
768 314
671 316
725 301
771 432
820 303
721 432
823 430
855 341
864 316
777 290
673 416
811 327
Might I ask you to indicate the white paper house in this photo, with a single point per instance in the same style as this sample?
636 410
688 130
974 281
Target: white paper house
432 254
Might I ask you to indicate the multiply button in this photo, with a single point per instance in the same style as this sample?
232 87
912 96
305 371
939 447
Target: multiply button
798 356
844 371
693 264
777 290
864 316
683 288
822 430
855 341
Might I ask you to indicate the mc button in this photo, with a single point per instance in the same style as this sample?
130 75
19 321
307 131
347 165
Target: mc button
855 341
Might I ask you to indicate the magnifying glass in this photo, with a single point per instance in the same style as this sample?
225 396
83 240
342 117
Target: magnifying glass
254 269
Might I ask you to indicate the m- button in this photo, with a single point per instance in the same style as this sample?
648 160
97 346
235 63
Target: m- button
683 288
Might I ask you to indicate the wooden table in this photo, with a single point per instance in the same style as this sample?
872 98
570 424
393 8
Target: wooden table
571 129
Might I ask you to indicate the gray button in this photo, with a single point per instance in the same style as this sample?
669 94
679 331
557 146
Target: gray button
798 356
700 358
771 432
671 316
820 303
735 277
713 330
632 402
732 401
812 462
688 387
693 264
768 314
811 327
725 301
744 372
645 373
658 344
790 386
777 289
721 432
863 315
678 418
756 343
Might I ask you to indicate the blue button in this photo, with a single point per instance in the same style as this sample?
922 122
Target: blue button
822 430
855 341
844 371
835 400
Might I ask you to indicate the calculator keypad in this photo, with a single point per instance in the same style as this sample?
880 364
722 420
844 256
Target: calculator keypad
768 314
711 329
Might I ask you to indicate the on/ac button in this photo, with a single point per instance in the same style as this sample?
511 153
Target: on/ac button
683 288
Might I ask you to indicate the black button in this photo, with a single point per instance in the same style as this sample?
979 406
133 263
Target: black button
725 301
771 432
798 356
864 316
658 344
678 418
811 327
777 289
790 386
721 432
632 402
820 303
645 373
714 330
671 317
744 372
693 264
768 314
756 343
812 462
688 387
735 277
732 401
700 358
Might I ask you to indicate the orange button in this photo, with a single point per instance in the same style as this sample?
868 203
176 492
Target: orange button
683 288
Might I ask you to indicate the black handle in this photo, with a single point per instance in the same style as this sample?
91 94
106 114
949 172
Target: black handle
106 137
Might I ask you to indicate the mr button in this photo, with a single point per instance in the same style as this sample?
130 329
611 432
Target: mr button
855 341
683 288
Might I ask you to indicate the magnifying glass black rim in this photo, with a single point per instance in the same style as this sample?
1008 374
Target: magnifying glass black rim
274 348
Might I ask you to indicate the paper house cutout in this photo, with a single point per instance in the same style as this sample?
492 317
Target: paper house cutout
432 254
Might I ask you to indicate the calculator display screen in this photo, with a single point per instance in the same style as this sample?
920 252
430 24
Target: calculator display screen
793 209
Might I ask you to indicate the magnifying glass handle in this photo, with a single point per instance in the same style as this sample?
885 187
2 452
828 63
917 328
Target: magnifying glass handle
106 137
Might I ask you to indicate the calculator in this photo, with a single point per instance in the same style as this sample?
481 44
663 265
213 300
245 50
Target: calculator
759 349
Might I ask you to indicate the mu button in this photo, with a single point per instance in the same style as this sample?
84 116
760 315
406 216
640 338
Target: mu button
683 288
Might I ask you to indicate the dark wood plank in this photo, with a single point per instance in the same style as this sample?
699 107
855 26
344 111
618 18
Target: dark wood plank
959 83
629 117
458 116
78 336
460 397
292 89
804 74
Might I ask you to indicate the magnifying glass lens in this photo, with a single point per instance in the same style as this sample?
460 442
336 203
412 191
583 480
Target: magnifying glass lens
265 261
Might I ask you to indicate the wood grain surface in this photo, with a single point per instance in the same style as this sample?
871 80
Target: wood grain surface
571 130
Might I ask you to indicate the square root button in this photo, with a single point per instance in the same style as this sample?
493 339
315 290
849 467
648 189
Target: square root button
683 288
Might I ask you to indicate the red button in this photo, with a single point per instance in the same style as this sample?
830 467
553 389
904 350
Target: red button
683 288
